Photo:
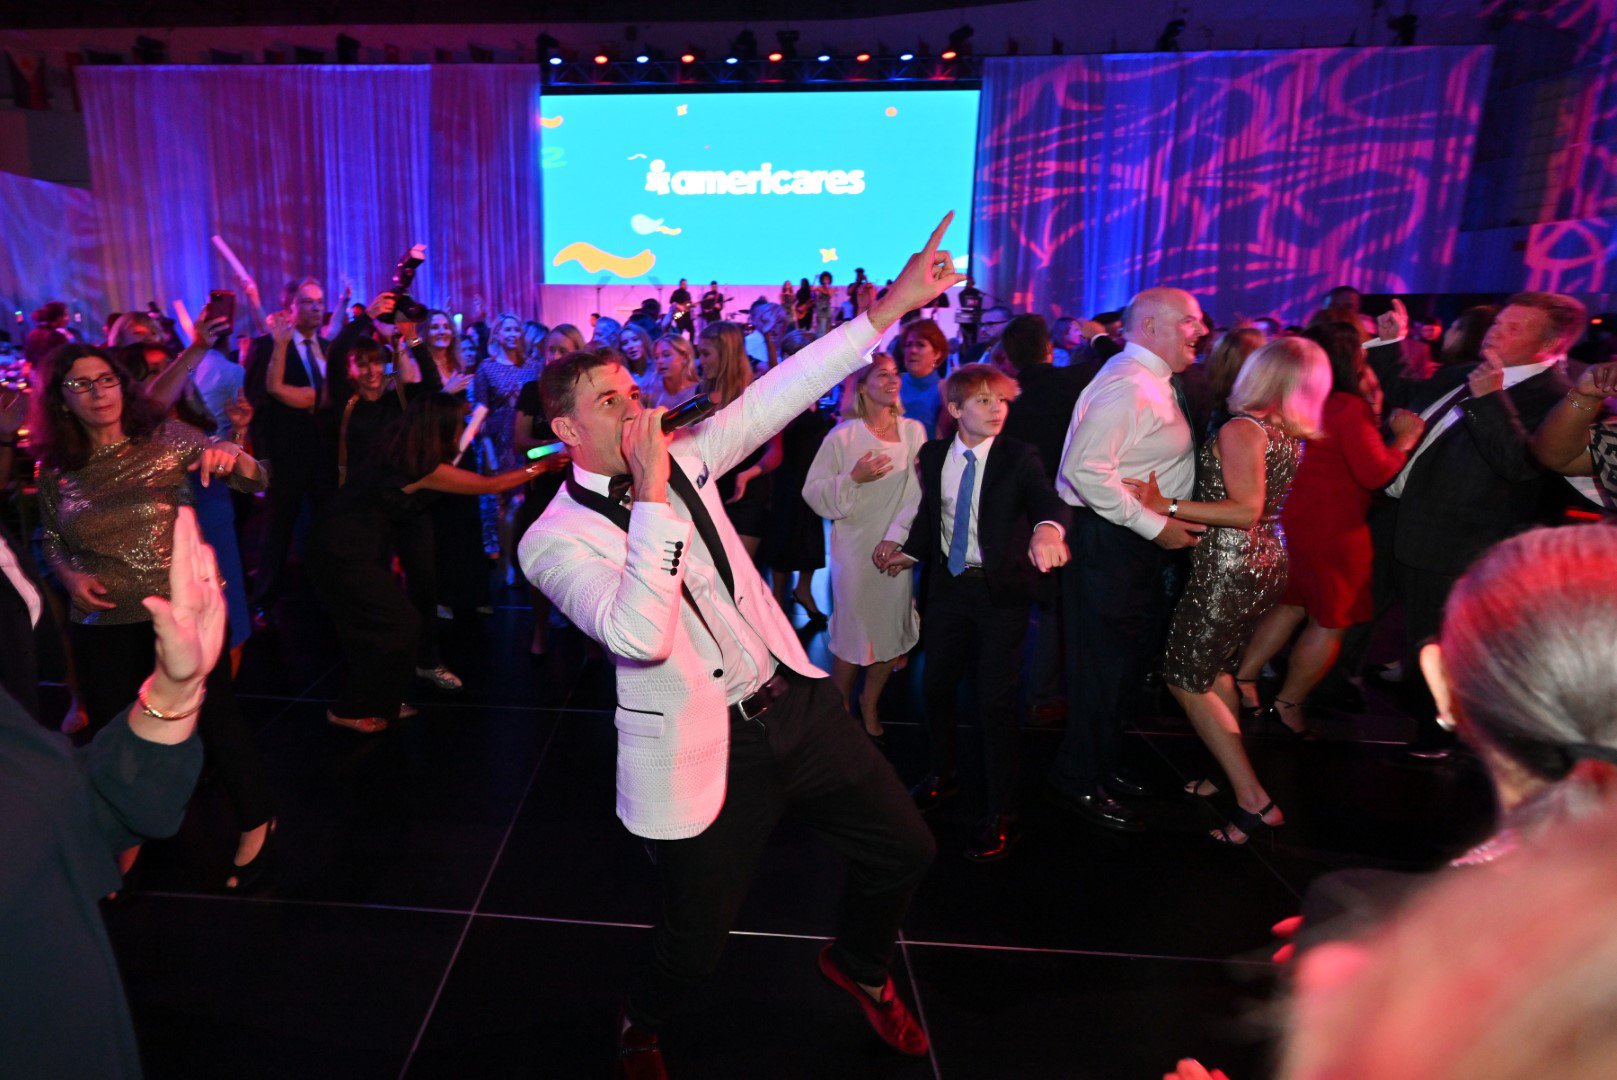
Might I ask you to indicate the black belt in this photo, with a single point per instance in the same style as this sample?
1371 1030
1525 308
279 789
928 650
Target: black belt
972 572
760 700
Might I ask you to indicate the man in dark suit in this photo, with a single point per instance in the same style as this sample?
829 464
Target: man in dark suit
991 525
1472 480
28 626
286 436
1040 415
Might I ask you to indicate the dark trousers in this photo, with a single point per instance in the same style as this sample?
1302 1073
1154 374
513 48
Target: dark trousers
1424 593
962 626
1110 592
1046 683
377 626
112 662
806 759
416 546
462 566
294 478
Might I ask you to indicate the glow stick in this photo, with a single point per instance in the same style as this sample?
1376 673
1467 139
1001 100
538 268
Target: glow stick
479 413
458 317
230 257
182 318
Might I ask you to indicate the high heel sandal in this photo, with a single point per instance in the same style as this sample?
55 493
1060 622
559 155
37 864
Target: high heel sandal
1194 788
815 615
1275 715
1249 823
257 870
1249 712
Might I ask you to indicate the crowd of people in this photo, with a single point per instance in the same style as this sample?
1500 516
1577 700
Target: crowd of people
1143 497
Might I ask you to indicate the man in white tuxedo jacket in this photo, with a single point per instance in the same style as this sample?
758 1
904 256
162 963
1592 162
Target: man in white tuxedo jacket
723 725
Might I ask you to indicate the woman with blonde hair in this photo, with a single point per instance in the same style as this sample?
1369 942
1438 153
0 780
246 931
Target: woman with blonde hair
1238 570
726 371
863 479
671 378
635 345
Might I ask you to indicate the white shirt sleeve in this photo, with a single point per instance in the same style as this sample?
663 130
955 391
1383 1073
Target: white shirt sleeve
1095 445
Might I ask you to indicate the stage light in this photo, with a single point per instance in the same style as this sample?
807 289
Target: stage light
949 54
863 58
906 57
601 58
150 50
730 60
347 49
958 39
1168 41
642 59
775 58
745 45
687 58
555 61
788 40
824 58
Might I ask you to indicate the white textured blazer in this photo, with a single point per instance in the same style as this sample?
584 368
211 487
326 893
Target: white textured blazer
672 718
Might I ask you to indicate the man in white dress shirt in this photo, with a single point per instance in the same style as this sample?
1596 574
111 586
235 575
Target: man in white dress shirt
724 726
1131 421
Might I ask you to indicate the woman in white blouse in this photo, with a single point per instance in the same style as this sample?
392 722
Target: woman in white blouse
863 479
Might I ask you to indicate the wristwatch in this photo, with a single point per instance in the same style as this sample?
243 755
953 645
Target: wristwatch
1173 509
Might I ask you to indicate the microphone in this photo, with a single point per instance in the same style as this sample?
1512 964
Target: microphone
688 412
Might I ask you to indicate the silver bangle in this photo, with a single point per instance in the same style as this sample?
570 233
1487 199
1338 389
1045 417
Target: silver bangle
1173 509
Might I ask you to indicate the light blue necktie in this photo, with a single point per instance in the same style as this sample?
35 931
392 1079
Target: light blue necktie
962 515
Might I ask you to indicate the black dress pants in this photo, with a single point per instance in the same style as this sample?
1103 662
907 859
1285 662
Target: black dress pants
416 546
1110 592
112 662
377 626
808 760
964 632
296 478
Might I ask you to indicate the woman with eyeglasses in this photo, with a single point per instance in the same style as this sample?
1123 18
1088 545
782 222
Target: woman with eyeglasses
113 474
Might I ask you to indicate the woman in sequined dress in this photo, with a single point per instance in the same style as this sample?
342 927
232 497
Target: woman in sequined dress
113 474
497 385
1238 571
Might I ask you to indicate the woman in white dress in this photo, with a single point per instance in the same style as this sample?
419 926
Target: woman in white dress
863 479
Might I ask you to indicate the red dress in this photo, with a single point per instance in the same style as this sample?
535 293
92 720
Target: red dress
1327 537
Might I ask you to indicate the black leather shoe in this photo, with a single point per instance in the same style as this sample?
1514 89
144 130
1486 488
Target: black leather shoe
995 838
1098 808
1121 783
933 792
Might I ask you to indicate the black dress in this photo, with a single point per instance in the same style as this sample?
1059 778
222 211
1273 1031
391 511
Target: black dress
796 536
63 816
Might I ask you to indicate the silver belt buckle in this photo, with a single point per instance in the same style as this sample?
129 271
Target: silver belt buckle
742 706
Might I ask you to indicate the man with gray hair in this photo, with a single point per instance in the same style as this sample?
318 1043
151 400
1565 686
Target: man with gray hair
1130 422
1472 480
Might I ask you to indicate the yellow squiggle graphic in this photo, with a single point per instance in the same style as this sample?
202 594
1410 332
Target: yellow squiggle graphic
592 258
550 121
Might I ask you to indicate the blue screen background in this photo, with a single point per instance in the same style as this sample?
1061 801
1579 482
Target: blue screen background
917 150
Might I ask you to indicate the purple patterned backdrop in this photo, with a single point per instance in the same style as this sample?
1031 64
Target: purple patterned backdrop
1256 179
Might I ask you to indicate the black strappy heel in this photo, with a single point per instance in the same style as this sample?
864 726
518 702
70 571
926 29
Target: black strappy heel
1249 823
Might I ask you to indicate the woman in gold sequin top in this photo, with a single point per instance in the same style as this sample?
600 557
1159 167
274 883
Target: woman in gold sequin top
113 474
1238 571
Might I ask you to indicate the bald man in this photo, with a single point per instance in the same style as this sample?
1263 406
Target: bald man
1130 421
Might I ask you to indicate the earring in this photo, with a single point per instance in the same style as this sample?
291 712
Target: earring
1446 722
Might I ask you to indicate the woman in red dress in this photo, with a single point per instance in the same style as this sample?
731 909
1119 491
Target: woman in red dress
1327 534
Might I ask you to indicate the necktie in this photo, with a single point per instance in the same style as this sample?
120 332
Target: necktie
315 380
962 515
1183 403
618 489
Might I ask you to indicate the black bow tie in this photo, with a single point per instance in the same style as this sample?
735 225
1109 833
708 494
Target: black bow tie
618 489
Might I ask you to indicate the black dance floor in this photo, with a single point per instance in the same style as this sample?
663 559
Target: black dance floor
457 899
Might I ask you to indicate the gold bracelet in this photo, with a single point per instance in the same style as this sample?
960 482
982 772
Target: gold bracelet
1572 397
145 707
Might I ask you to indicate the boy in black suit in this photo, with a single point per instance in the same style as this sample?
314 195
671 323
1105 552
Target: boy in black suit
991 525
